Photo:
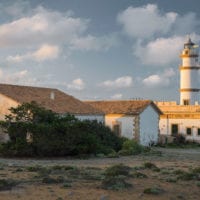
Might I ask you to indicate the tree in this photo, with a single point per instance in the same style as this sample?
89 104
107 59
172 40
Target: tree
55 135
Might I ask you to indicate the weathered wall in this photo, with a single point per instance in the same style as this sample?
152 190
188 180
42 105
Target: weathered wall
149 130
165 127
5 104
125 121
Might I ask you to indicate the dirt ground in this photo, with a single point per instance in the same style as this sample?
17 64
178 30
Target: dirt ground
76 179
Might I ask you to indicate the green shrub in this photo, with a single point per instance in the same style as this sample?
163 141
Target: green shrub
50 180
187 176
115 177
7 184
53 135
149 165
33 168
153 190
115 183
138 175
198 184
131 147
117 170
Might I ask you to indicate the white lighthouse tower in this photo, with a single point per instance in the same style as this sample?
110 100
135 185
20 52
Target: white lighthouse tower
189 87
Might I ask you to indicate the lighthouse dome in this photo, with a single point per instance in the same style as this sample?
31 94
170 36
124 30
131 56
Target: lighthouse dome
189 43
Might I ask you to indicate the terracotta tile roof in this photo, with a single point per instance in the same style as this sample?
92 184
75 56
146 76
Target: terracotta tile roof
122 106
49 98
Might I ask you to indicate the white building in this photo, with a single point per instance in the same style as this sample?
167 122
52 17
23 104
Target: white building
50 98
180 119
134 119
184 119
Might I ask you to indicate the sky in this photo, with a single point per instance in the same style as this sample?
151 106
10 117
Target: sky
97 49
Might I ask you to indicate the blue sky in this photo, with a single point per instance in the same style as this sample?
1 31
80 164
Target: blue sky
97 49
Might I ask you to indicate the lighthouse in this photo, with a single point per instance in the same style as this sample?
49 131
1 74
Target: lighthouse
189 68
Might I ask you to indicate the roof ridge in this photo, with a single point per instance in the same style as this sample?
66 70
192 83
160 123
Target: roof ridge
28 86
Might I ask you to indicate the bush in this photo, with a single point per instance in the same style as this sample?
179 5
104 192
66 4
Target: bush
115 183
149 165
115 177
179 139
131 147
7 184
52 135
117 170
153 190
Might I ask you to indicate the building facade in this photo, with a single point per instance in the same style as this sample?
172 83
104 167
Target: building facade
184 118
133 119
49 98
180 119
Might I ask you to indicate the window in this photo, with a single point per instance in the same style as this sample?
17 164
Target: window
189 131
198 132
186 102
116 127
174 129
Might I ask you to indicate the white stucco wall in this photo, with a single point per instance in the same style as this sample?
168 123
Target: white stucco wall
149 130
165 127
99 118
125 121
5 104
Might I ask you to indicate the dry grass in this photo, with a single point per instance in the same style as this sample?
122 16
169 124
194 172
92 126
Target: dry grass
177 178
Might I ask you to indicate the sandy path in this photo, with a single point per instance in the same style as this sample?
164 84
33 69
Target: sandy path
168 155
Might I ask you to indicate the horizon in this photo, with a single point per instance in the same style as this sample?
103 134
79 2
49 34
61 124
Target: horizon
97 50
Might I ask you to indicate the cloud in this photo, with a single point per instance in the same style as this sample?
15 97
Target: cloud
121 82
116 96
44 26
45 52
162 51
158 36
20 77
146 21
76 84
159 80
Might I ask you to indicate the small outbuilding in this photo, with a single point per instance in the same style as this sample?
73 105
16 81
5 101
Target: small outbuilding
134 119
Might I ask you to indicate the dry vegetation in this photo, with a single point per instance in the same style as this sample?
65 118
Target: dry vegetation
162 174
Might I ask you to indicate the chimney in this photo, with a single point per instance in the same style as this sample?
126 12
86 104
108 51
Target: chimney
52 95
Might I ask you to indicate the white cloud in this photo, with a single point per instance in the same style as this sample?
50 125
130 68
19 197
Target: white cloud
159 80
121 82
159 36
76 84
146 21
116 96
45 52
19 77
162 51
44 26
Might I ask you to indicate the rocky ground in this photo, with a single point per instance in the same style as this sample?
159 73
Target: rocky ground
162 174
